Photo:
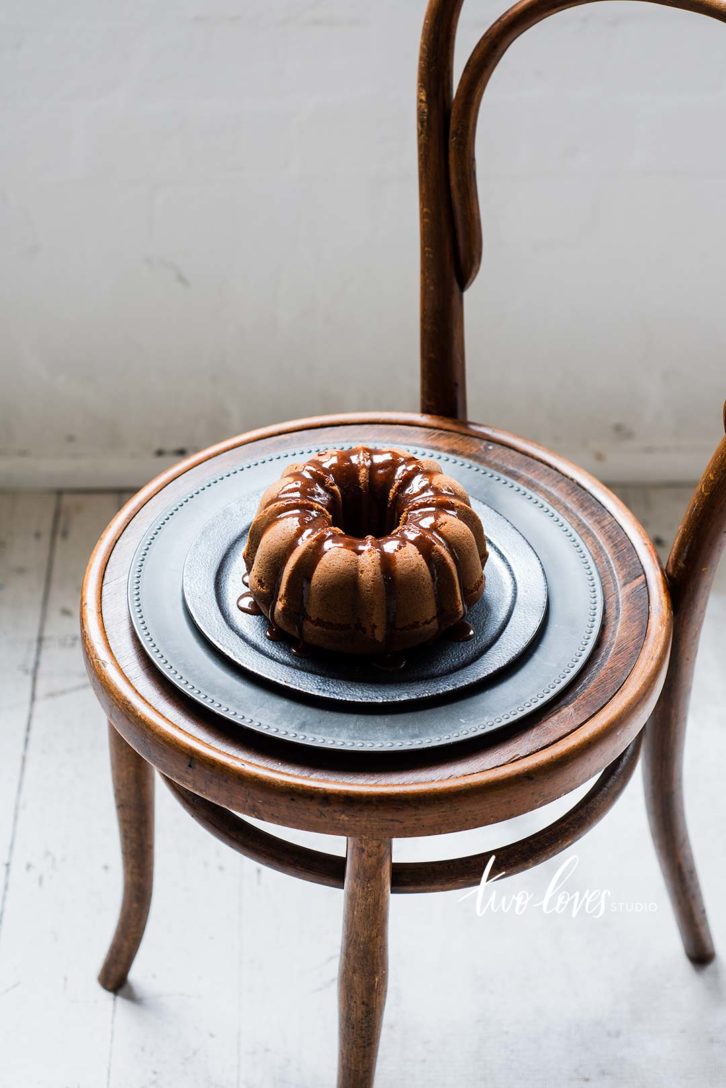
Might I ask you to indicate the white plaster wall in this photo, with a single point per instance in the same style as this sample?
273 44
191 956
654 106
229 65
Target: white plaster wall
208 221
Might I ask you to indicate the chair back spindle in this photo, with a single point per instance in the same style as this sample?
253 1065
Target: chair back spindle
451 234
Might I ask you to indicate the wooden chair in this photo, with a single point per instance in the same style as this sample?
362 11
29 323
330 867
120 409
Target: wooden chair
635 686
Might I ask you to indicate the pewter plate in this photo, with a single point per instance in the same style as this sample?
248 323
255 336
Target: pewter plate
504 621
173 642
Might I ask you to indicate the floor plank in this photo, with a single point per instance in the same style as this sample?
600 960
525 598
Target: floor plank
185 981
28 526
55 1019
177 1021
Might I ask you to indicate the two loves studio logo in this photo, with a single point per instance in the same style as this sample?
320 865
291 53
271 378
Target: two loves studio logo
561 896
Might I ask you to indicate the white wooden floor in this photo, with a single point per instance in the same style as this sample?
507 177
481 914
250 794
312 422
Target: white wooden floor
234 986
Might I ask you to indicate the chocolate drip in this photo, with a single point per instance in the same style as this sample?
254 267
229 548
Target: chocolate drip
247 603
429 522
429 549
389 662
311 544
387 549
411 481
460 632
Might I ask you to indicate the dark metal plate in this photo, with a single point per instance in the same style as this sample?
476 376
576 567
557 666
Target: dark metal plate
505 621
175 645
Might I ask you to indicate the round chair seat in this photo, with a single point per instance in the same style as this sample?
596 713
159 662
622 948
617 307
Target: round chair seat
434 791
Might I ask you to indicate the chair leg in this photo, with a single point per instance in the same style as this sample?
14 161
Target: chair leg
133 784
363 972
690 571
663 779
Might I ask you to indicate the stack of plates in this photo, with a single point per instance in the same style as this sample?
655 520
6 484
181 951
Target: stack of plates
534 628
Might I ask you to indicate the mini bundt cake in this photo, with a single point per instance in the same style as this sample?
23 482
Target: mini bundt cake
365 551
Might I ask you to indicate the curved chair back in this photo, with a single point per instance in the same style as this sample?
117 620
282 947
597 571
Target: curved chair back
451 236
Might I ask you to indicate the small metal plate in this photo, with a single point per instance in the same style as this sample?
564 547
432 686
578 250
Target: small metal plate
176 646
505 621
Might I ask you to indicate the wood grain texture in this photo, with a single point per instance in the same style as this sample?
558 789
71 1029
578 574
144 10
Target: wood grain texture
443 374
363 970
418 877
690 570
424 793
133 786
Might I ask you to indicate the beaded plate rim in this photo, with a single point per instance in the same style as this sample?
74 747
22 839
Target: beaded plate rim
505 628
544 694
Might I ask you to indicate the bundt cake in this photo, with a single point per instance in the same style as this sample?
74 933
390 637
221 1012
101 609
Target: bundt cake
365 551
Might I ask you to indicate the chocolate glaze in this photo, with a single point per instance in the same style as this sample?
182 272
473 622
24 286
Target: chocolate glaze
461 631
389 662
247 603
356 500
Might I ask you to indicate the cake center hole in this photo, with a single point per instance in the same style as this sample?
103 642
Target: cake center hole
364 513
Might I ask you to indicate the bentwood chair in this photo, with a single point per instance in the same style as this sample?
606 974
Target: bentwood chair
635 687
